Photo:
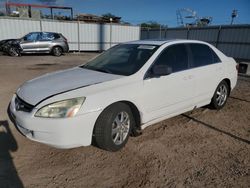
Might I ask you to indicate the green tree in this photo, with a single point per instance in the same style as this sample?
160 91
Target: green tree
152 25
109 15
2 13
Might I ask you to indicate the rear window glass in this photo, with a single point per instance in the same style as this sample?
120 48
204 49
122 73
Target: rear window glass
49 36
202 55
216 59
56 36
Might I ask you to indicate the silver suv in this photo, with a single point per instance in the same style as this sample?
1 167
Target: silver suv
37 42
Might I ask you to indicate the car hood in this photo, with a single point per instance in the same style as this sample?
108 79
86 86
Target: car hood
4 44
8 40
49 85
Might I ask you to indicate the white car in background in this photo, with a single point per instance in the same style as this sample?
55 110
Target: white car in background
122 91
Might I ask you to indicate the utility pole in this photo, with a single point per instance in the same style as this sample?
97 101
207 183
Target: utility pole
234 15
7 8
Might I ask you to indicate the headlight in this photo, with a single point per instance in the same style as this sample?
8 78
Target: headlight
61 109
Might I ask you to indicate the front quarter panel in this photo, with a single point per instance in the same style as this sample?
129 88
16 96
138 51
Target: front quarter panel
101 95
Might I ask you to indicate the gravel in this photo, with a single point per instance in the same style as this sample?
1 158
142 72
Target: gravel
202 148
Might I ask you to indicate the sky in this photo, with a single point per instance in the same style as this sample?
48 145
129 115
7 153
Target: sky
161 11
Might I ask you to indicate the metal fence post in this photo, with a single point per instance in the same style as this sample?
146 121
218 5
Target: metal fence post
140 32
187 32
78 36
218 37
41 26
160 31
148 33
110 45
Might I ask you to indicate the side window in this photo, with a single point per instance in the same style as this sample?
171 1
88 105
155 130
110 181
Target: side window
175 57
31 37
202 55
47 36
216 59
56 36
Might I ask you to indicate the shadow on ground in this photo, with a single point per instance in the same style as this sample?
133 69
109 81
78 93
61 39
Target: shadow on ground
8 174
217 129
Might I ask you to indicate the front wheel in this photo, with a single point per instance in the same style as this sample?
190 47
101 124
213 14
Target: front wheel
113 127
220 96
13 52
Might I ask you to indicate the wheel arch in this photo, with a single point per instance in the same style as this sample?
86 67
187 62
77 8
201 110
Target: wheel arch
227 80
135 111
137 116
52 47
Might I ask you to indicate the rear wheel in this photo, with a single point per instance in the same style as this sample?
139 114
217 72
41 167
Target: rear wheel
220 96
113 127
57 51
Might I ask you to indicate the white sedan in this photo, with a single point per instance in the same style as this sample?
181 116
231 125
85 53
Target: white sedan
122 91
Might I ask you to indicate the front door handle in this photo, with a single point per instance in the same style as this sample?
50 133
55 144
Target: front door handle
189 77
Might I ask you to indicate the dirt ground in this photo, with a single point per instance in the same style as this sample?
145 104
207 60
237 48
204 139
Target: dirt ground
202 148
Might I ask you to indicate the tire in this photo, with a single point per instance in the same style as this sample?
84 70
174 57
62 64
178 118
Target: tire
57 51
13 52
220 96
113 127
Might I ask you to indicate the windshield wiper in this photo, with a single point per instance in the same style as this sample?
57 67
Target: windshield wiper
102 70
96 69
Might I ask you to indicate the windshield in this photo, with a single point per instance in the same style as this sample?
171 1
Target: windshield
124 59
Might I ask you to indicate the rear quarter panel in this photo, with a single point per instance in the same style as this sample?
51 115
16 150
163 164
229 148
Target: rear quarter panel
231 71
229 66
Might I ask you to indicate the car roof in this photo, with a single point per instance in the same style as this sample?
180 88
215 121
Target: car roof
160 42
43 32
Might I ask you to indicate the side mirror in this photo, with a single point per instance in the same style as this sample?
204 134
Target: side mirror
161 70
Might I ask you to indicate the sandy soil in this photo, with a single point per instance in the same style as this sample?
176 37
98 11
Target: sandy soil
202 148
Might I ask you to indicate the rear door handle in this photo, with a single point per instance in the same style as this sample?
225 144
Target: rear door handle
219 69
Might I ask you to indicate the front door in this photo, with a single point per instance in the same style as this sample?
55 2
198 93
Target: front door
172 93
29 42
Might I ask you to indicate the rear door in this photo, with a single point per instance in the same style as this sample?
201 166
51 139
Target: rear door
172 93
45 41
207 70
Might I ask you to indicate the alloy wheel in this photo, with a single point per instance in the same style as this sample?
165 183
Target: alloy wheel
57 51
221 95
120 127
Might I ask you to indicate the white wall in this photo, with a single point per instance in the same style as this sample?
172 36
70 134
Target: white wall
12 28
80 35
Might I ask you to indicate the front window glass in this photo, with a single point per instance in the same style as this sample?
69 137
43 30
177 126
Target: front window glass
175 57
124 59
31 37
